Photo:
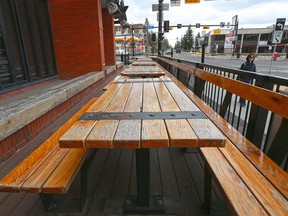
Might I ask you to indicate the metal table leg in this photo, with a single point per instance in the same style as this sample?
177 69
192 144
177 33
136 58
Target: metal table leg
143 203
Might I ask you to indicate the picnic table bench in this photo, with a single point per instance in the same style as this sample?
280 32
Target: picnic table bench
50 170
251 183
141 113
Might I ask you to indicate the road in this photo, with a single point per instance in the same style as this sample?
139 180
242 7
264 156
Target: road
278 67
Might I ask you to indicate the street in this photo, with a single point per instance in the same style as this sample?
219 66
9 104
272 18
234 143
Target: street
278 68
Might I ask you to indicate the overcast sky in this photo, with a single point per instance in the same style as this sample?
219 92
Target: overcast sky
251 13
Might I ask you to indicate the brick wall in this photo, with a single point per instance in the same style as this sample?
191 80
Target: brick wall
77 31
109 38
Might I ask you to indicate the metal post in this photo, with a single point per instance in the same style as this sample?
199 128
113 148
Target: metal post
236 32
133 42
203 53
160 26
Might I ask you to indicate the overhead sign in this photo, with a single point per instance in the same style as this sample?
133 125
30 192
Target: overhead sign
280 23
191 1
205 27
277 37
165 7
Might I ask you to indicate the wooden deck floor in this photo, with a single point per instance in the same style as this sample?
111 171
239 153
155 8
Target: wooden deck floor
175 174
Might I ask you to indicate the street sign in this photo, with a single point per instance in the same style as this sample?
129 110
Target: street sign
179 26
222 24
205 27
280 23
149 27
158 16
197 25
277 37
165 7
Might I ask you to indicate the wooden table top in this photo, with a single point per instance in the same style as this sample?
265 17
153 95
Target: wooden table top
137 112
143 70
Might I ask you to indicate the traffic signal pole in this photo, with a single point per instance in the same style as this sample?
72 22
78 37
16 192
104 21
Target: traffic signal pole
160 27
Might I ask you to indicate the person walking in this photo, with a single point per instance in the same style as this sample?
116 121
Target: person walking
249 65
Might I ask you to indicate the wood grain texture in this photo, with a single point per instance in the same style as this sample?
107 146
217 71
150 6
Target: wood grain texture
13 180
36 180
240 198
63 176
101 136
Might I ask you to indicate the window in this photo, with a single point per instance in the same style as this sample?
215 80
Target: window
25 43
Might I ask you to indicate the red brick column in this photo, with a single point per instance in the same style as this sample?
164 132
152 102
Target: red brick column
77 31
109 38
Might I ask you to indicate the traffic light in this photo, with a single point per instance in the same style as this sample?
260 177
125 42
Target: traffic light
166 26
161 36
153 36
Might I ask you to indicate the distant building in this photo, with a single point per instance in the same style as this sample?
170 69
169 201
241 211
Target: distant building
136 34
255 40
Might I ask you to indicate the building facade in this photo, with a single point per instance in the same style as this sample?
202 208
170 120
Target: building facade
255 40
52 38
45 41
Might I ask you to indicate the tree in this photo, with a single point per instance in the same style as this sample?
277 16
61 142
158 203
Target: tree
187 40
150 46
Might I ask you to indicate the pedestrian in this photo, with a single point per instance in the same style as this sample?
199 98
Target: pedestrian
249 65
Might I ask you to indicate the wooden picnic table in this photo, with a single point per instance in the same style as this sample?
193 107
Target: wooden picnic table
143 112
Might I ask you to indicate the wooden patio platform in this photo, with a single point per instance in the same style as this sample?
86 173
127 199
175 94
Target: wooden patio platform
176 174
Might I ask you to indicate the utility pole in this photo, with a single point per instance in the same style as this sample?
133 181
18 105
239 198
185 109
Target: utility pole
160 27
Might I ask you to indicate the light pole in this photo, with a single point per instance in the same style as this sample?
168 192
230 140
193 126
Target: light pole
160 27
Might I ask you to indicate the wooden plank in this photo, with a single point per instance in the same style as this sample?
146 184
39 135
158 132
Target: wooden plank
128 131
209 135
239 197
179 130
128 134
76 135
265 193
35 181
182 100
19 174
61 179
154 132
101 136
121 181
169 181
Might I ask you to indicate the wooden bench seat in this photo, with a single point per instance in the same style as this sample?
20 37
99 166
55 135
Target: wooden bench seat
49 168
251 183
